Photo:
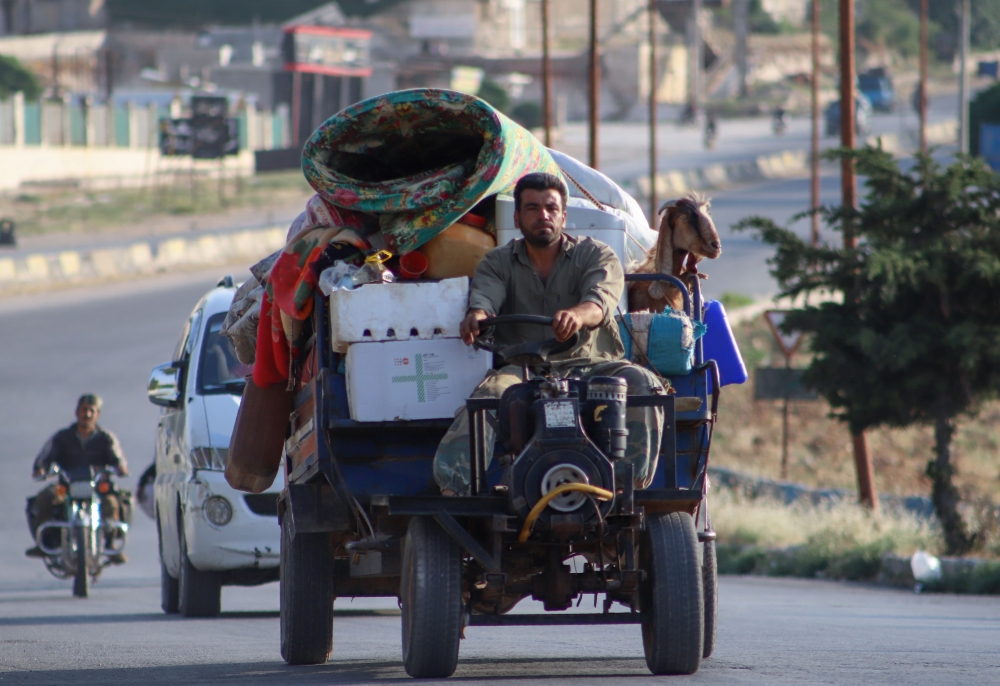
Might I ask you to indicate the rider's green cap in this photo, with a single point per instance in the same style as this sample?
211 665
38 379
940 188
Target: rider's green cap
90 399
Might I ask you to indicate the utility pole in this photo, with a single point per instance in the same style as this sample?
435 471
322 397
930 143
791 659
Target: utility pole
695 57
849 191
922 105
652 112
741 19
595 85
814 160
965 23
546 76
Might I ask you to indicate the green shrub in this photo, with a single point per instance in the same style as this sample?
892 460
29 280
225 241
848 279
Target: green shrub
528 115
495 94
14 77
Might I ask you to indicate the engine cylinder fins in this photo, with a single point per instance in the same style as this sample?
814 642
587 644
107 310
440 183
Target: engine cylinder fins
607 388
559 475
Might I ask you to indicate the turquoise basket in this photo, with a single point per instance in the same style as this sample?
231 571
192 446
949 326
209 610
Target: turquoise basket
671 340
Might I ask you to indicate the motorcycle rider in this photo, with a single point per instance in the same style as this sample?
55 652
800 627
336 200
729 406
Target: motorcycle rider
82 444
711 130
779 120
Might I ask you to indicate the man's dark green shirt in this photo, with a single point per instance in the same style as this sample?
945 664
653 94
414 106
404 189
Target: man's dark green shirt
586 270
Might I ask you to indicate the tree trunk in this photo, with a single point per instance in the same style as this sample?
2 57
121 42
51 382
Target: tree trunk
943 492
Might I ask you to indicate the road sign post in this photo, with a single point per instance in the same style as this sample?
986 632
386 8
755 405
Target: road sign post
784 384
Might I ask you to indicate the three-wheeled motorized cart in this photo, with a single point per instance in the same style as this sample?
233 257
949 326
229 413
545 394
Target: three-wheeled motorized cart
362 516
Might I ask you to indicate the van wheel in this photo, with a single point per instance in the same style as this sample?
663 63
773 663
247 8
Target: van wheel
673 623
431 594
169 592
199 594
306 581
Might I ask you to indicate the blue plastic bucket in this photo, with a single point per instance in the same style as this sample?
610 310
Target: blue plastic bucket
720 345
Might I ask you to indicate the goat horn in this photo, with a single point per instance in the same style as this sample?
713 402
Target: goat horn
668 203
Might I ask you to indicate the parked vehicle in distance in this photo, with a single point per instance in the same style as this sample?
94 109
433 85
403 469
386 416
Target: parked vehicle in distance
862 116
210 535
876 85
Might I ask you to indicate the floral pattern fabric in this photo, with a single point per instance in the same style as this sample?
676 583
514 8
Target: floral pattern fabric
414 208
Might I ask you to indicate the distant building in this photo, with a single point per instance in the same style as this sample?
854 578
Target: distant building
22 17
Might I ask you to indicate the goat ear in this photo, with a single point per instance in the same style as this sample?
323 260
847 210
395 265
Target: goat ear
665 243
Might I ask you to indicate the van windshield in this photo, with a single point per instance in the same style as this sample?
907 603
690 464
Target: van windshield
218 369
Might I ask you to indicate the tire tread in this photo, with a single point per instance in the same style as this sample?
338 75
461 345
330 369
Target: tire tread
432 600
673 625
307 598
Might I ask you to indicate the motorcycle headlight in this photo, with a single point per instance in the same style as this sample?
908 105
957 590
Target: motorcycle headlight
218 510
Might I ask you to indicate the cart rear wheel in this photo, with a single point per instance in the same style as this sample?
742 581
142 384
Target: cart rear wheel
81 580
673 627
431 593
710 586
306 596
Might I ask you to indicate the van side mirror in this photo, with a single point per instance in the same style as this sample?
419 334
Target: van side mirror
165 384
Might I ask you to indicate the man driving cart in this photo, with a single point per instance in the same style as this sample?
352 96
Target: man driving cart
578 282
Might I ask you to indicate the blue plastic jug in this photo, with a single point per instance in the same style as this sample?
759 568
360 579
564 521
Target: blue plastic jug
720 345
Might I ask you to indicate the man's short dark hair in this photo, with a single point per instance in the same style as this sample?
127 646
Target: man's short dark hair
540 181
90 399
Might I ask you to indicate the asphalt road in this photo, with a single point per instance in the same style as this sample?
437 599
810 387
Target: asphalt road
105 339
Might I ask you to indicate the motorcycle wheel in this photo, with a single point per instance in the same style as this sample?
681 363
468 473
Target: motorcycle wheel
81 580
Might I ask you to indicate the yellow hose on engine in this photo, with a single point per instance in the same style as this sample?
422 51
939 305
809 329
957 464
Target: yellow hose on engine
536 511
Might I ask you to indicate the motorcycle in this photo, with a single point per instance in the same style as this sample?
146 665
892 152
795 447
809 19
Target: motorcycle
779 122
711 133
81 544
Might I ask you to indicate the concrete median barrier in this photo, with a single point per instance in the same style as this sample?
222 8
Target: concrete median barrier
53 269
781 165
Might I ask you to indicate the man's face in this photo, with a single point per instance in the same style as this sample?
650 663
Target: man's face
86 417
541 218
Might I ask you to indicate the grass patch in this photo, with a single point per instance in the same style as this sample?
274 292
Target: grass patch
733 301
982 580
838 541
74 210
747 438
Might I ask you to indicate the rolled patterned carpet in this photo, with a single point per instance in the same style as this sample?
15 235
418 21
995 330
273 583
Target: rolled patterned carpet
420 159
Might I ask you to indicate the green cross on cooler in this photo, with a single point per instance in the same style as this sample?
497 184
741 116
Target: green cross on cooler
419 378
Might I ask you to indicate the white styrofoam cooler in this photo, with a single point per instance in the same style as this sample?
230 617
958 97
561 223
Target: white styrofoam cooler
412 379
398 312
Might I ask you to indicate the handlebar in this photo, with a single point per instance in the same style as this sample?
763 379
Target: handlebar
516 319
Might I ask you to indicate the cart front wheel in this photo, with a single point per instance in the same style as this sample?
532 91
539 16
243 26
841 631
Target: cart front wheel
673 622
431 593
306 591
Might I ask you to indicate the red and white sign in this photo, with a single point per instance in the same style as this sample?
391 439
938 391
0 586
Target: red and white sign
788 342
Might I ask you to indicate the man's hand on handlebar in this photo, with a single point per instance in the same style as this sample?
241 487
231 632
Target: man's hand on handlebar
469 327
567 322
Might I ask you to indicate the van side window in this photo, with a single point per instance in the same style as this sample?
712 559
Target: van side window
189 334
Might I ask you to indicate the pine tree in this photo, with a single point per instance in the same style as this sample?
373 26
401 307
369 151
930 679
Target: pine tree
915 336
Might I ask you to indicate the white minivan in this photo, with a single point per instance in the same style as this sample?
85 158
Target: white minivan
210 534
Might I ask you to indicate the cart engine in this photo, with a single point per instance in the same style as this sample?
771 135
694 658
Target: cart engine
562 432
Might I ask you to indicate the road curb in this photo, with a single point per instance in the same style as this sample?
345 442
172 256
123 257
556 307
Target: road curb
781 165
137 258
